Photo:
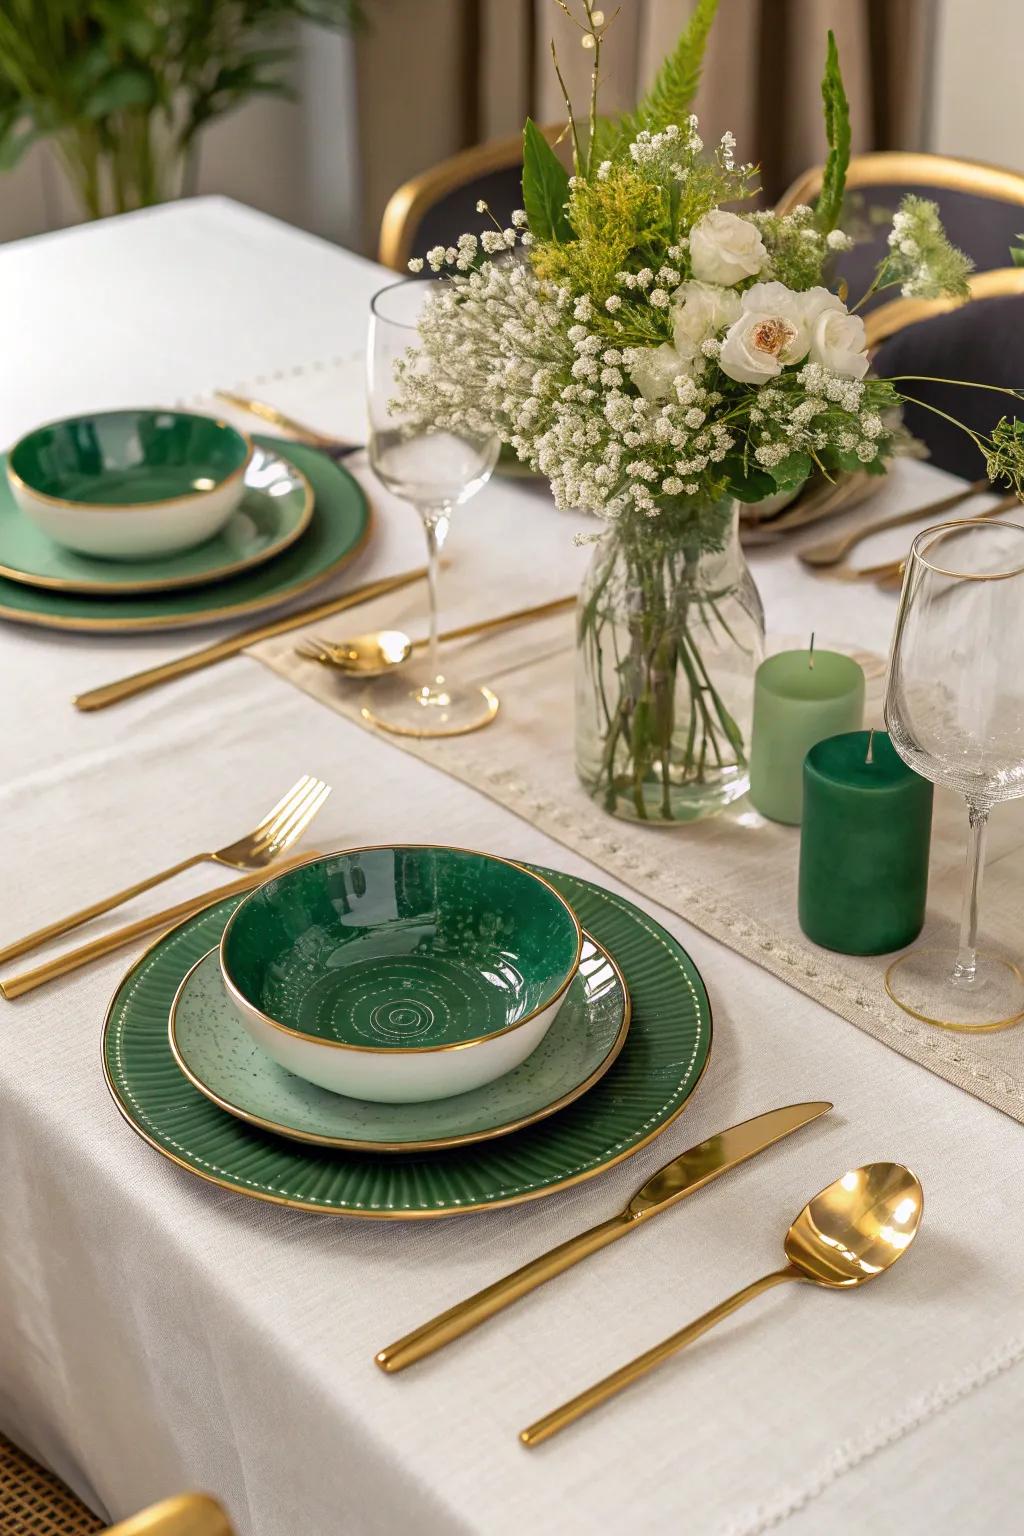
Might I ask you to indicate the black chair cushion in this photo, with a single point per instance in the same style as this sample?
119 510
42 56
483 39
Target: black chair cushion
455 213
982 342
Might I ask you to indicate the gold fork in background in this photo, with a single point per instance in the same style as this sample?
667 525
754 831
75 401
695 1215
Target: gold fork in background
282 826
832 551
890 572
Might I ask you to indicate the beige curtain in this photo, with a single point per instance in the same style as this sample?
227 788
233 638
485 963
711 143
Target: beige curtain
437 75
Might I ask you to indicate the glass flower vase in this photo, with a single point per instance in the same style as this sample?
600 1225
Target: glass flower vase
670 632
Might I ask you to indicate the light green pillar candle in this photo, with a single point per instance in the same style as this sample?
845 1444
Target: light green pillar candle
800 698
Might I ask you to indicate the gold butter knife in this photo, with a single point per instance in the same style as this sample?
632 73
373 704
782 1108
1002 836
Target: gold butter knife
679 1178
194 661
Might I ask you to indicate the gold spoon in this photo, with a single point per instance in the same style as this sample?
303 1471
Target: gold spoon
381 650
849 1233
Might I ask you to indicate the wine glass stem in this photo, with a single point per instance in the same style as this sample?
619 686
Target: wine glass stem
967 954
436 521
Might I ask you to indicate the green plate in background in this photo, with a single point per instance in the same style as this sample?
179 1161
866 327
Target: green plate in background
275 510
338 528
646 1088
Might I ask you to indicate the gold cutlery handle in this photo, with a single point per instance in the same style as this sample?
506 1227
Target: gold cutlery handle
900 519
601 1391
483 626
76 919
477 1309
889 570
27 981
139 682
279 418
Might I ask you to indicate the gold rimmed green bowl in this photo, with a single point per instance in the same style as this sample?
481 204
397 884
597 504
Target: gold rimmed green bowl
401 974
130 484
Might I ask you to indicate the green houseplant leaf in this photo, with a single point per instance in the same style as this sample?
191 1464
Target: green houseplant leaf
545 187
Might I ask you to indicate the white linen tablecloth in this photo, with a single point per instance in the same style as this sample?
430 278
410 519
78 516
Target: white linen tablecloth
157 1333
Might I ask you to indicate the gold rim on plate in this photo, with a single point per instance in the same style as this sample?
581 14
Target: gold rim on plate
437 1143
203 616
356 1215
177 583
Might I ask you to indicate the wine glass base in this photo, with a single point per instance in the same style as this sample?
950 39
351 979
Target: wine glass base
414 703
921 982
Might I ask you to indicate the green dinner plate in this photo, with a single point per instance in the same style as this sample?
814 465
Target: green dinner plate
275 510
647 1087
217 1054
338 528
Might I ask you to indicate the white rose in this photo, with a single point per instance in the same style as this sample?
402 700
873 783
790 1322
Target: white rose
753 348
657 370
816 300
838 343
698 311
777 301
725 248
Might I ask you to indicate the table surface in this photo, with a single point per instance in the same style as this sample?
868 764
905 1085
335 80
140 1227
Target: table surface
157 1333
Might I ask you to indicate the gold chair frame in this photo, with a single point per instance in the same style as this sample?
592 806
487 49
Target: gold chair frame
409 203
895 167
189 1514
889 318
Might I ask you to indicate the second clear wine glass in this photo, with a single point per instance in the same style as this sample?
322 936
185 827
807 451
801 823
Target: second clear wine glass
436 471
955 714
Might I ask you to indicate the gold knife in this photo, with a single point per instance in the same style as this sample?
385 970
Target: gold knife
277 418
193 661
679 1178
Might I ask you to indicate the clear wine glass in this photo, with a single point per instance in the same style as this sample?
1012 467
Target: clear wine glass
436 471
955 714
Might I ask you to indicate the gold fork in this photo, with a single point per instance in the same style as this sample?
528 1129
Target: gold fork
279 829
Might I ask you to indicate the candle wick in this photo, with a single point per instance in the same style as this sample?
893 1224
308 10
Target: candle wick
810 653
870 758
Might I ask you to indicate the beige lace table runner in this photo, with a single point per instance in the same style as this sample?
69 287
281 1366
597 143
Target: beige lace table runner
733 877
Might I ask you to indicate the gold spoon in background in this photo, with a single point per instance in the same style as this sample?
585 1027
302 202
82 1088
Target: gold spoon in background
383 649
849 1233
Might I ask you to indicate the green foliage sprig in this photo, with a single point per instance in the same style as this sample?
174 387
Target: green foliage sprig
837 131
670 98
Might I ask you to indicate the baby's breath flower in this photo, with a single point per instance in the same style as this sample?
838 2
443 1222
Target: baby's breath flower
416 264
519 218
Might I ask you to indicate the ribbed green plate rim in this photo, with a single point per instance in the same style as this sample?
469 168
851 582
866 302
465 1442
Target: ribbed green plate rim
664 1058
337 531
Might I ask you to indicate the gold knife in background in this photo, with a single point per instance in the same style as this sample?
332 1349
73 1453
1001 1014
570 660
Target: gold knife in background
679 1178
335 446
194 661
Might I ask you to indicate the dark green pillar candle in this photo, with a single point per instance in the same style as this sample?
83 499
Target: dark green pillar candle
867 823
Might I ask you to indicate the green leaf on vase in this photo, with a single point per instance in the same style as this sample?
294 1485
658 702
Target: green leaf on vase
545 187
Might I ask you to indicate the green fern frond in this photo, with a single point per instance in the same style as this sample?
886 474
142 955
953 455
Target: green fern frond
671 96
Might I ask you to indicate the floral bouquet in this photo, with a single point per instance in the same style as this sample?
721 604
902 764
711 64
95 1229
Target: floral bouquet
659 357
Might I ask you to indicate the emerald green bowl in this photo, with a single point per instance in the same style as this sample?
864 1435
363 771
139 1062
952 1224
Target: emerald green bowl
401 974
128 484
